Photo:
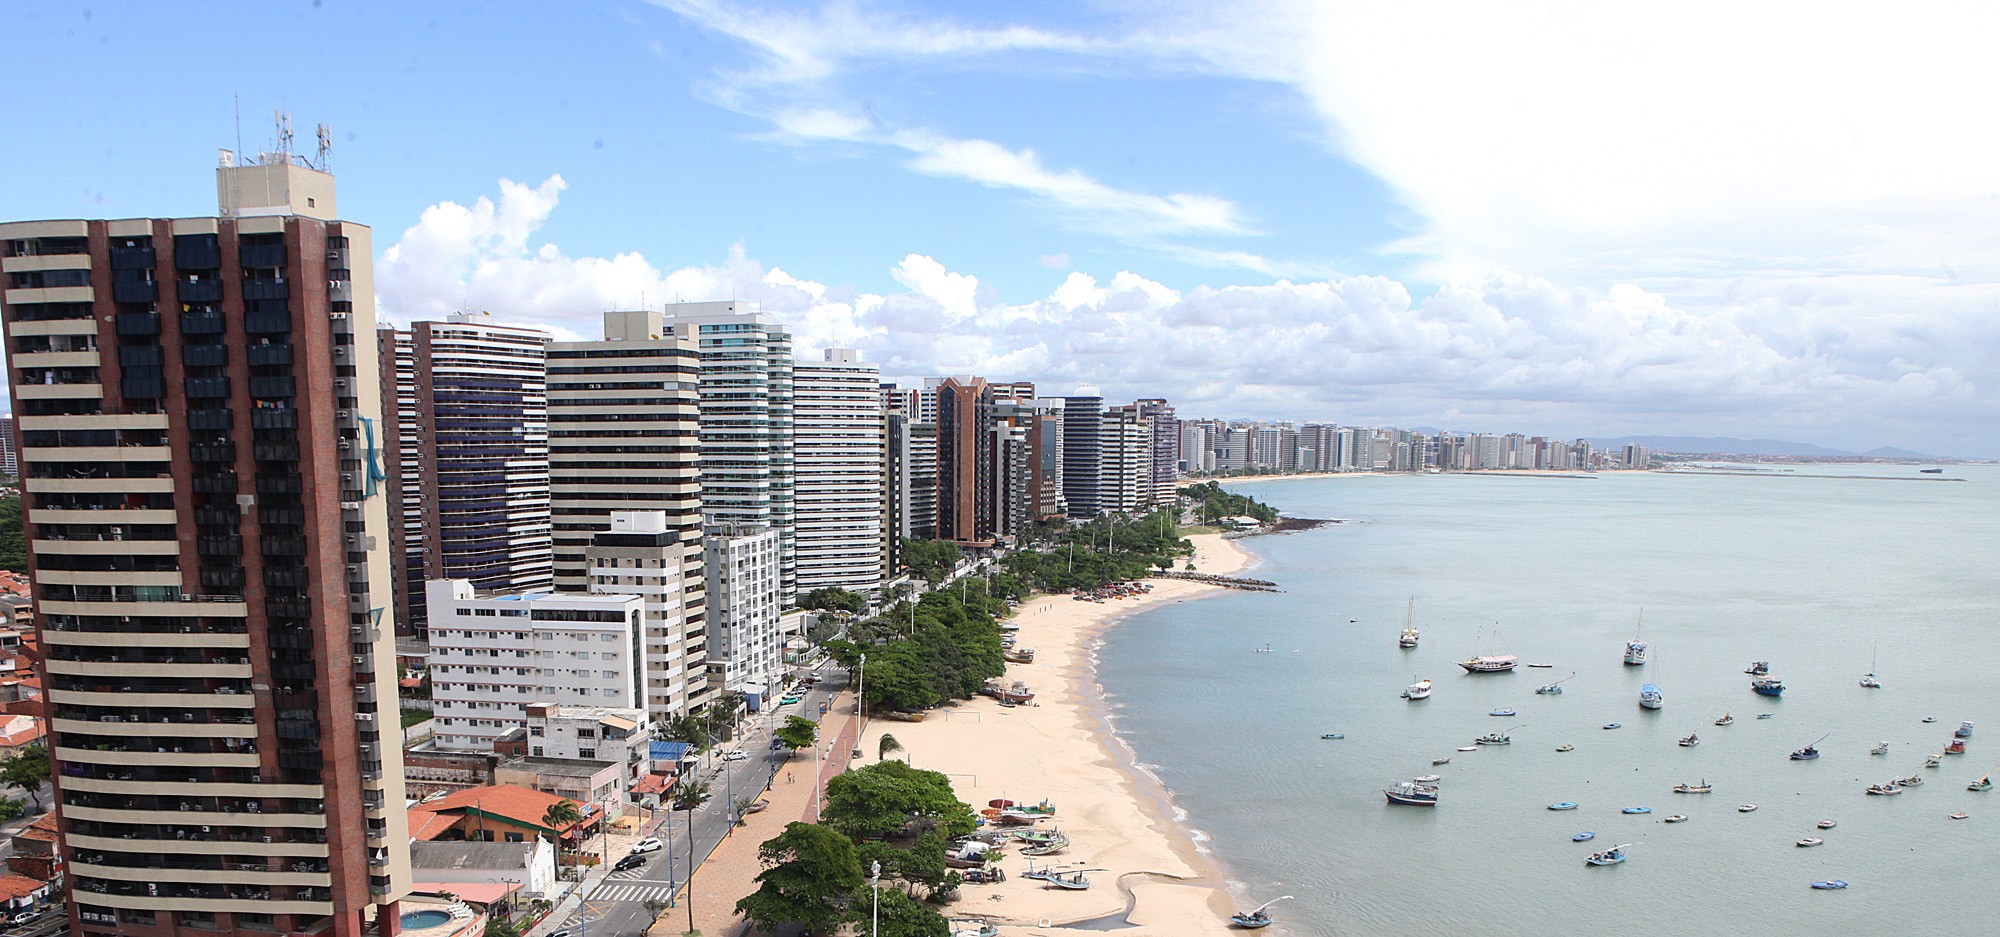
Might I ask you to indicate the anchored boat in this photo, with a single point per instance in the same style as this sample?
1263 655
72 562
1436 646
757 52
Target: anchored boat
1767 686
1257 918
1650 697
1612 856
1553 689
1412 794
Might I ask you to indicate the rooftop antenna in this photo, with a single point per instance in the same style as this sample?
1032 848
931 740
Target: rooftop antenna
325 134
238 98
284 122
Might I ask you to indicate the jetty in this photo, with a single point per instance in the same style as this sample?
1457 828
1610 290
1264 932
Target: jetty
1227 582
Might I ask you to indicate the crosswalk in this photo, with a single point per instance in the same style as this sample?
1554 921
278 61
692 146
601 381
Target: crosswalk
629 875
610 892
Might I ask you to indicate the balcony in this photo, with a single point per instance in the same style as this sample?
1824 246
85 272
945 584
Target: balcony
213 419
198 291
145 387
262 255
289 606
267 323
271 387
215 483
275 451
287 484
137 324
274 418
134 291
207 387
286 577
204 356
197 252
213 452
269 355
204 322
219 546
265 289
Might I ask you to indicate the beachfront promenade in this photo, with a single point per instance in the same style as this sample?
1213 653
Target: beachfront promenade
730 871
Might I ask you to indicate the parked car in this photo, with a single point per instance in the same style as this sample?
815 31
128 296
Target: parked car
649 844
789 700
737 755
632 861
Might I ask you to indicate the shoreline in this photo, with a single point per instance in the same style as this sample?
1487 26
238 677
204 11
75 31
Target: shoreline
1157 878
1473 473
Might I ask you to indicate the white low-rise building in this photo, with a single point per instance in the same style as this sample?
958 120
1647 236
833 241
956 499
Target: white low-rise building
592 733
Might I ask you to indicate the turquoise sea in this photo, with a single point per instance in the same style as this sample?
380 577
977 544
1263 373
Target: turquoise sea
1818 576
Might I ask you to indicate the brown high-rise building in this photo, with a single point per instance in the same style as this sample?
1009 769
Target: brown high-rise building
200 423
965 497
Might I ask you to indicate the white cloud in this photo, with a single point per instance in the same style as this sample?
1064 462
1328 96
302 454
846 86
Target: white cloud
1505 352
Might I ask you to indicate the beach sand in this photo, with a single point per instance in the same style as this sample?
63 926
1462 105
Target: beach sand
1060 749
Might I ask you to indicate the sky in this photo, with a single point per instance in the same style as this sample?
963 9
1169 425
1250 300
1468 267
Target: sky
1564 219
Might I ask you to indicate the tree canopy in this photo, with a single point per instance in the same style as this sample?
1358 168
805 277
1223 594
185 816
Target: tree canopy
797 732
1104 550
834 599
1215 503
13 542
811 878
931 559
887 798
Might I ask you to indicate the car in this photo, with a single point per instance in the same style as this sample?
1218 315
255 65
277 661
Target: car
738 755
649 844
789 700
564 933
632 861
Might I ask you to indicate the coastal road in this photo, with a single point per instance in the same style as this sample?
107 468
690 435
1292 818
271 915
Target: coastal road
617 906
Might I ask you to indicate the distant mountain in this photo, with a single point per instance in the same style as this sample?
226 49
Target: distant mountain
1891 452
1703 445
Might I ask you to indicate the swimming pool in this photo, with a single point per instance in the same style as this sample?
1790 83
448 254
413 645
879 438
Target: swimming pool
418 920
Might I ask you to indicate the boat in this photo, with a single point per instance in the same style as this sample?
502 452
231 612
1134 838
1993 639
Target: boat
1747 808
1763 715
1468 748
1426 779
1564 747
1494 738
1932 761
1408 639
1809 752
1931 471
1637 810
1881 748
1016 693
1884 790
1691 741
973 928
1810 841
1612 856
1957 816
1048 846
1412 794
1565 805
1256 918
1868 680
1929 719
1826 824
1726 720
1541 666
1834 885
1019 655
1915 780
1983 784
1614 725
1702 788
1964 729
1675 818
1441 761
1758 668
1767 686
1503 712
1418 690
1583 837
1070 881
1553 689
1650 697
1334 735
1635 649
1956 747
1489 663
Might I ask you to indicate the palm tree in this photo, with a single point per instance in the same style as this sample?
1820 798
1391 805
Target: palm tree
562 813
887 745
687 797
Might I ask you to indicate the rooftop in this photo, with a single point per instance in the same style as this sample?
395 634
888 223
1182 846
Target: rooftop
563 767
461 854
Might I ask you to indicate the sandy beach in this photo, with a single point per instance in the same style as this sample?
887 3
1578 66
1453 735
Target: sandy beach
1060 749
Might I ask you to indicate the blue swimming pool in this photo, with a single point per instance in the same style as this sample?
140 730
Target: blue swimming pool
418 920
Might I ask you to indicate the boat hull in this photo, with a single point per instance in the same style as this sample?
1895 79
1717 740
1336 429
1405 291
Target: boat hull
1489 664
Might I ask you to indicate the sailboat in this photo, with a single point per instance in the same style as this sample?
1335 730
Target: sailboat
1256 918
1490 663
1421 689
1635 649
1554 689
1868 679
1650 697
1409 636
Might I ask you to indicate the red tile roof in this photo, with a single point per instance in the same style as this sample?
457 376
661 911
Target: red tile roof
426 826
18 886
519 804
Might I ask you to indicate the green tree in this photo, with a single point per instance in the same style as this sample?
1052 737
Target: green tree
13 542
27 772
811 877
887 745
931 559
834 599
886 798
899 915
501 927
797 732
561 814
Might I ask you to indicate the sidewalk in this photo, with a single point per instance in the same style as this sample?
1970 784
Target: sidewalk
730 872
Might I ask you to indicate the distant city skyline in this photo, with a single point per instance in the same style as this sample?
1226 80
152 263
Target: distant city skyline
1384 216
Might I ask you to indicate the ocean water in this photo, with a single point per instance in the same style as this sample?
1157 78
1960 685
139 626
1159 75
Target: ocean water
1818 576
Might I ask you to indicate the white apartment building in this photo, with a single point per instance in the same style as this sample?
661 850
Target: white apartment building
1125 466
838 460
745 650
642 554
492 655
592 733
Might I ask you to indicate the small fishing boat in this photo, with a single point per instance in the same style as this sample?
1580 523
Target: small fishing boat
1676 818
1494 738
1612 856
1564 747
1957 816
1421 689
1930 719
1932 761
1726 720
1468 748
1541 666
1048 846
1637 810
1691 741
1957 747
1915 780
1427 779
1565 805
1809 752
1809 841
1702 788
1071 881
1441 761
1964 729
1826 824
1650 697
1758 668
1931 471
1334 735
1763 715
1503 712
1412 794
1614 725
1983 784
1257 918
1767 686
1885 790
1553 689
1746 808
1881 748
1583 837
1834 885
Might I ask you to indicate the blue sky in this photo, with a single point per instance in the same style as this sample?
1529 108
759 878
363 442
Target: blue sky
1557 219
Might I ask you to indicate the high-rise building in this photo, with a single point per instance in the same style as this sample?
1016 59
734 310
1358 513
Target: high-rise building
838 464
643 554
1125 461
1082 452
746 422
10 447
1045 451
913 455
200 409
1159 415
745 651
965 511
474 497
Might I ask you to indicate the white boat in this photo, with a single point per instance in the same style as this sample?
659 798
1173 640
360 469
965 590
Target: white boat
1702 788
1490 663
1881 748
1650 697
1691 741
1911 781
1726 719
1427 779
1885 790
1868 679
1964 729
1553 689
1676 818
1441 761
1810 841
1494 738
1635 649
1418 690
1468 748
1408 639
1932 761
1564 747
1826 824
1746 808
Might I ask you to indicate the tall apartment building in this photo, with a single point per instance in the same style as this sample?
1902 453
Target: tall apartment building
643 554
965 461
913 454
1159 415
1045 451
1082 456
839 472
746 421
1125 463
199 405
495 654
474 493
10 447
745 651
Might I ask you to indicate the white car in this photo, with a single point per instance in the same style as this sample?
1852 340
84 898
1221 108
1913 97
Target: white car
649 844
738 755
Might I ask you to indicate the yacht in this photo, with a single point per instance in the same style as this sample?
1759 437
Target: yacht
1490 663
1412 794
1408 639
1768 686
1635 653
1650 697
1418 690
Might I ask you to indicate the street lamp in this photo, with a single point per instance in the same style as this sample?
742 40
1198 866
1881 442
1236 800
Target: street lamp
875 904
